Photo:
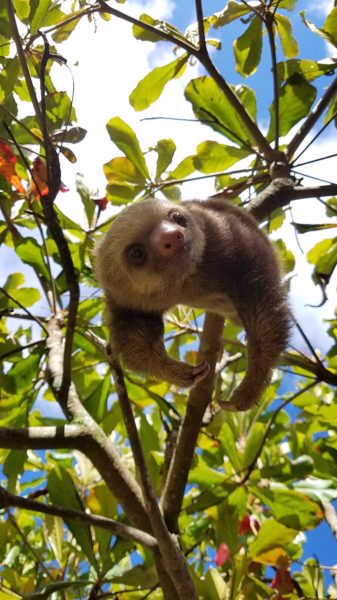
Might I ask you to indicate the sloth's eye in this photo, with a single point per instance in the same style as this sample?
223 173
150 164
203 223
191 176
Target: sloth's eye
137 254
179 219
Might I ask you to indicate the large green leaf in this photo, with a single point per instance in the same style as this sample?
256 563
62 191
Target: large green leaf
150 88
284 28
62 491
121 169
212 156
290 508
271 535
309 69
126 140
25 295
212 107
295 100
248 48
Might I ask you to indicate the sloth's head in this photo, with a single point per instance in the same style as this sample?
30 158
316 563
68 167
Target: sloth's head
150 247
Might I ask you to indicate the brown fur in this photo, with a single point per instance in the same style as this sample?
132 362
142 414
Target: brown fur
218 260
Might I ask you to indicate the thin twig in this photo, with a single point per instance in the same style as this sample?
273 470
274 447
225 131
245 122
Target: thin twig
32 317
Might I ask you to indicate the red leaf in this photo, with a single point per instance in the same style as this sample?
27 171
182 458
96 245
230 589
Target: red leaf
7 167
39 176
249 524
282 581
101 203
222 554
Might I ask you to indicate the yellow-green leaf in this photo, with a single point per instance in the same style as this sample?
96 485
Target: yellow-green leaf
212 156
126 140
248 48
271 535
285 30
149 89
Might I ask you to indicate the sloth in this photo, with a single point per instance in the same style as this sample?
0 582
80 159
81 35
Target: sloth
204 254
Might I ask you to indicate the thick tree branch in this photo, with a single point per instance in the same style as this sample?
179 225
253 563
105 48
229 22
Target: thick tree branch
200 397
172 557
8 500
280 192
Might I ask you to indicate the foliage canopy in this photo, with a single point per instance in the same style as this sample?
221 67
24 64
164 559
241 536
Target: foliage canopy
79 492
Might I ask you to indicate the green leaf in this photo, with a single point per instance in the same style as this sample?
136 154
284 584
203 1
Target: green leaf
253 444
38 14
291 508
296 97
305 228
122 169
229 444
324 256
74 135
287 257
204 475
288 42
165 150
59 110
88 203
215 585
22 8
150 88
248 48
184 168
150 36
271 535
62 491
63 32
330 25
327 35
309 69
30 253
96 402
212 156
9 76
26 296
311 579
212 108
122 193
22 375
126 140
233 10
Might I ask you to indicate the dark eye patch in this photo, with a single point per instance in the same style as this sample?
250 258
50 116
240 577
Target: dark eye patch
178 218
136 254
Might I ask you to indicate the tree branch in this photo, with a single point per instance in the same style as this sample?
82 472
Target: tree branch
8 500
200 397
172 557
